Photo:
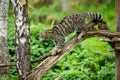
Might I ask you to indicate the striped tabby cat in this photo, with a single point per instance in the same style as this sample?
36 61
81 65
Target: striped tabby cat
69 24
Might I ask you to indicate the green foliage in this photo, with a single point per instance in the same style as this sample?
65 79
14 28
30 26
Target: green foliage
90 60
84 64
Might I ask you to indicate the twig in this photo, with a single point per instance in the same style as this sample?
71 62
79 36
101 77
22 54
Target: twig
33 61
41 58
8 64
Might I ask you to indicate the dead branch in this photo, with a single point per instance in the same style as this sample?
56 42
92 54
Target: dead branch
114 39
33 61
41 58
7 64
103 33
49 62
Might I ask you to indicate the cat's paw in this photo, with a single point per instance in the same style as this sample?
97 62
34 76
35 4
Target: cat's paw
56 50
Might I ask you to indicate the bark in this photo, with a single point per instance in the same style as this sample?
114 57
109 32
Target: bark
117 54
4 54
22 39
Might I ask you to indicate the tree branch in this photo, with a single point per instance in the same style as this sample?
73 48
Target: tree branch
41 58
49 62
8 64
33 61
102 33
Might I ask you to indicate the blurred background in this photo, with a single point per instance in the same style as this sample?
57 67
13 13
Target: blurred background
90 60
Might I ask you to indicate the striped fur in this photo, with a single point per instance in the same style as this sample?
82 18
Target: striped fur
69 24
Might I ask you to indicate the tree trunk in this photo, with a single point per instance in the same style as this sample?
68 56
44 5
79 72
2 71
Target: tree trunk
65 5
4 54
117 54
22 39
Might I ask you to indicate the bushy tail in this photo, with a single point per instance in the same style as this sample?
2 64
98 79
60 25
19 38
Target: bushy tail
97 17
